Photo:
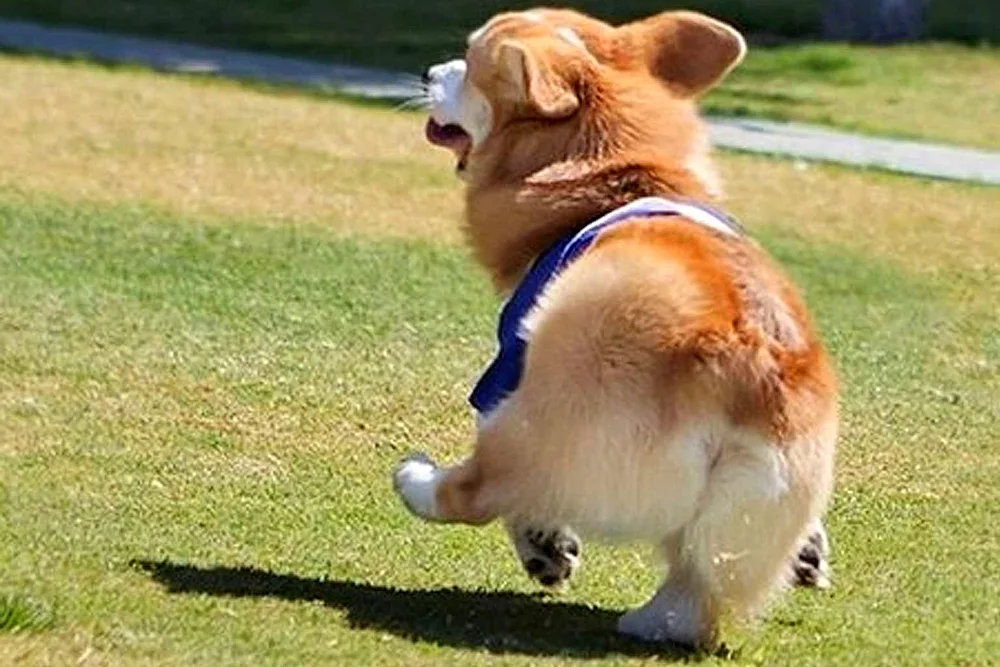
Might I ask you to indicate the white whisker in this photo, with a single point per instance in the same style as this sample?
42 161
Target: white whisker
420 101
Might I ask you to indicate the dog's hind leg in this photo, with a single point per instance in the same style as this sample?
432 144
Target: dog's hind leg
458 494
476 491
759 504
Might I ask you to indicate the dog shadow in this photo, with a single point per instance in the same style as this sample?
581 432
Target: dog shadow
499 622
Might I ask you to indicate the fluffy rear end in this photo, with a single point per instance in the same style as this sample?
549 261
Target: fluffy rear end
655 404
618 433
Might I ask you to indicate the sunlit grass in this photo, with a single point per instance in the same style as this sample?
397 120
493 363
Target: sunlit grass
202 393
941 92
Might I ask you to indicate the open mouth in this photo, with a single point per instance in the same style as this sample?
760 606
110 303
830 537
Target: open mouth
452 137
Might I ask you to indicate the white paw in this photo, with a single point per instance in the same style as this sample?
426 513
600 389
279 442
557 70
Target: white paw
641 624
665 618
416 481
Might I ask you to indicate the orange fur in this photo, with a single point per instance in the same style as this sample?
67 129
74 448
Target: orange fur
674 387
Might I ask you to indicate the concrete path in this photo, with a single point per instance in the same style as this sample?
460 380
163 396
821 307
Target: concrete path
189 58
810 142
785 139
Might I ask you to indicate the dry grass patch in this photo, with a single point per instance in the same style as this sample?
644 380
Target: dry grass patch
215 149
64 649
919 224
211 148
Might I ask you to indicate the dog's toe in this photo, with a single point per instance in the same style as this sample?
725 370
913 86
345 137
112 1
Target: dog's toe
810 566
549 556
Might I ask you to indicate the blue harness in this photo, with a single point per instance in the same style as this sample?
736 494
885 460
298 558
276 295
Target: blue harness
504 374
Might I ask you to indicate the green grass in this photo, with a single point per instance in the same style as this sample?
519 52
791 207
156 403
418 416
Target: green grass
395 33
933 92
388 33
21 613
201 421
200 404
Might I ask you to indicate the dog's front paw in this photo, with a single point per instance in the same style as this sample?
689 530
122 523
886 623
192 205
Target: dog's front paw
416 480
548 556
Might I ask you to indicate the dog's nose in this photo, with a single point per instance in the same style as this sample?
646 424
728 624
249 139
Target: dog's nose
425 77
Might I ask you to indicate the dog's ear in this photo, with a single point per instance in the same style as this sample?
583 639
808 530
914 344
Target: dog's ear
691 52
547 92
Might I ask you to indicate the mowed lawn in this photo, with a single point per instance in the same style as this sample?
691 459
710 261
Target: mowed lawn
226 313
945 92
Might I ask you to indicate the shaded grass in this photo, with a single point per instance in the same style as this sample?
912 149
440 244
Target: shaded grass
500 622
406 35
385 33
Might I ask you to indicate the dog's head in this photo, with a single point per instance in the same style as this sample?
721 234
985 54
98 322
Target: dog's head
573 83
555 117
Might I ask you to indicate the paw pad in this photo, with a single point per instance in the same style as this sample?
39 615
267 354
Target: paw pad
549 557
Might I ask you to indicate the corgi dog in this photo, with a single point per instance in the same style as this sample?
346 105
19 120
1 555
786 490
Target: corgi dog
658 377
